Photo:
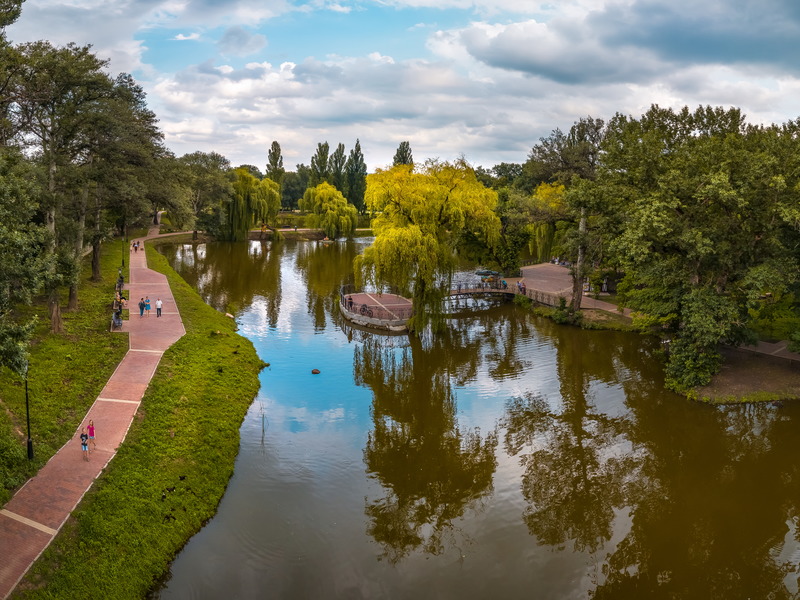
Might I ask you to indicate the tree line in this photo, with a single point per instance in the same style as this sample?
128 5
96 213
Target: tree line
695 214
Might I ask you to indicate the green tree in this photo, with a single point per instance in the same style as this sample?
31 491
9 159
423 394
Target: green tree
251 201
336 169
208 182
403 155
55 94
570 159
320 167
295 184
330 211
710 205
421 218
275 170
356 177
26 261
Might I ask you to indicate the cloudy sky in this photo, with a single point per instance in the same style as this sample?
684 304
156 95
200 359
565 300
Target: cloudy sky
480 78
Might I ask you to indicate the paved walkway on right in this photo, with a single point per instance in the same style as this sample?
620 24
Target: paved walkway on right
556 279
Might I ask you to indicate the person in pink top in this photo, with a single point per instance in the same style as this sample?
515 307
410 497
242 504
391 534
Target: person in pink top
91 435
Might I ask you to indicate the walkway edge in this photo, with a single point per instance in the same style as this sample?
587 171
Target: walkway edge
31 519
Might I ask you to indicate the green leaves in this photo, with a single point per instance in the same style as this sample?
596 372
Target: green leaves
330 211
422 217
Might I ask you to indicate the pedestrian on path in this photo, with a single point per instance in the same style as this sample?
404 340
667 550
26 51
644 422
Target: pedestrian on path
158 307
147 305
85 444
135 246
91 434
141 308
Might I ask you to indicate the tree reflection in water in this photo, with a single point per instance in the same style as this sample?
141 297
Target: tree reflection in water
667 497
576 458
432 469
230 275
326 268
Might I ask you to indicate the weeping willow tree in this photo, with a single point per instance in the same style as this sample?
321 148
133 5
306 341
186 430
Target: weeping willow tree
330 211
252 201
546 232
421 219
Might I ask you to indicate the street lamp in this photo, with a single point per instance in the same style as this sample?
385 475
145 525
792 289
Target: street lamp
28 415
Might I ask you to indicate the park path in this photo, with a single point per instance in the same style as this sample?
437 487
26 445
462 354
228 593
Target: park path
35 514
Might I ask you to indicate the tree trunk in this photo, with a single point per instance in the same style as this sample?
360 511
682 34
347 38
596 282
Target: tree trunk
96 237
54 306
54 301
72 304
96 260
579 268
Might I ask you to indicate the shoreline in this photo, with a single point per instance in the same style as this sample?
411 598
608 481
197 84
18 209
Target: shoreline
172 470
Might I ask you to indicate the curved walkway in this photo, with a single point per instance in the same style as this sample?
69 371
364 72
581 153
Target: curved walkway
32 518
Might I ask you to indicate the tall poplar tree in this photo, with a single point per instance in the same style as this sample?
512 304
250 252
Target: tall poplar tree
403 155
336 166
356 177
275 170
320 168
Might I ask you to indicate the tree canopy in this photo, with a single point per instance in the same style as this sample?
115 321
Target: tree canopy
419 224
403 155
330 211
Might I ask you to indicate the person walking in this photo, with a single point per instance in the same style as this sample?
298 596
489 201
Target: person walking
90 430
159 304
141 308
147 305
85 444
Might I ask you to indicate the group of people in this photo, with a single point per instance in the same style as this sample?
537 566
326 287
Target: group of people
135 245
87 437
144 306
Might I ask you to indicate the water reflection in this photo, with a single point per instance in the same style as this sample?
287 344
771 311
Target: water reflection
230 276
507 457
326 267
431 468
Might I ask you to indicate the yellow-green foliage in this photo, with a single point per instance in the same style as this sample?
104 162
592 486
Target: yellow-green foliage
330 211
420 216
253 201
170 473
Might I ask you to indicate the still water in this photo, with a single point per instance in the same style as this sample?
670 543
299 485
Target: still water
508 457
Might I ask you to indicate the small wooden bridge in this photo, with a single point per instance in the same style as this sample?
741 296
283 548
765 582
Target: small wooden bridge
392 312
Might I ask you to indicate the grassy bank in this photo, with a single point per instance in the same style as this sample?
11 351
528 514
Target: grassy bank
67 372
169 476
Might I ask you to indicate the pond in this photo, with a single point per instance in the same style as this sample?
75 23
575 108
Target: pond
506 457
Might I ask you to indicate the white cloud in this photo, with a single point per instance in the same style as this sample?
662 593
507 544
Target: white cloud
489 87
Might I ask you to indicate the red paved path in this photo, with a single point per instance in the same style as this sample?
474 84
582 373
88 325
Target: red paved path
30 520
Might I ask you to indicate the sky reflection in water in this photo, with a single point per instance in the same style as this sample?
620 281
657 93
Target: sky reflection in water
507 457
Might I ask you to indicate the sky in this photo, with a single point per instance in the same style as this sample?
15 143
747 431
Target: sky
482 79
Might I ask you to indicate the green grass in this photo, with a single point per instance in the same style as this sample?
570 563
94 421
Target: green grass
170 474
66 374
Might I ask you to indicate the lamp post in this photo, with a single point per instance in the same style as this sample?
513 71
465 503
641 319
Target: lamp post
28 416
